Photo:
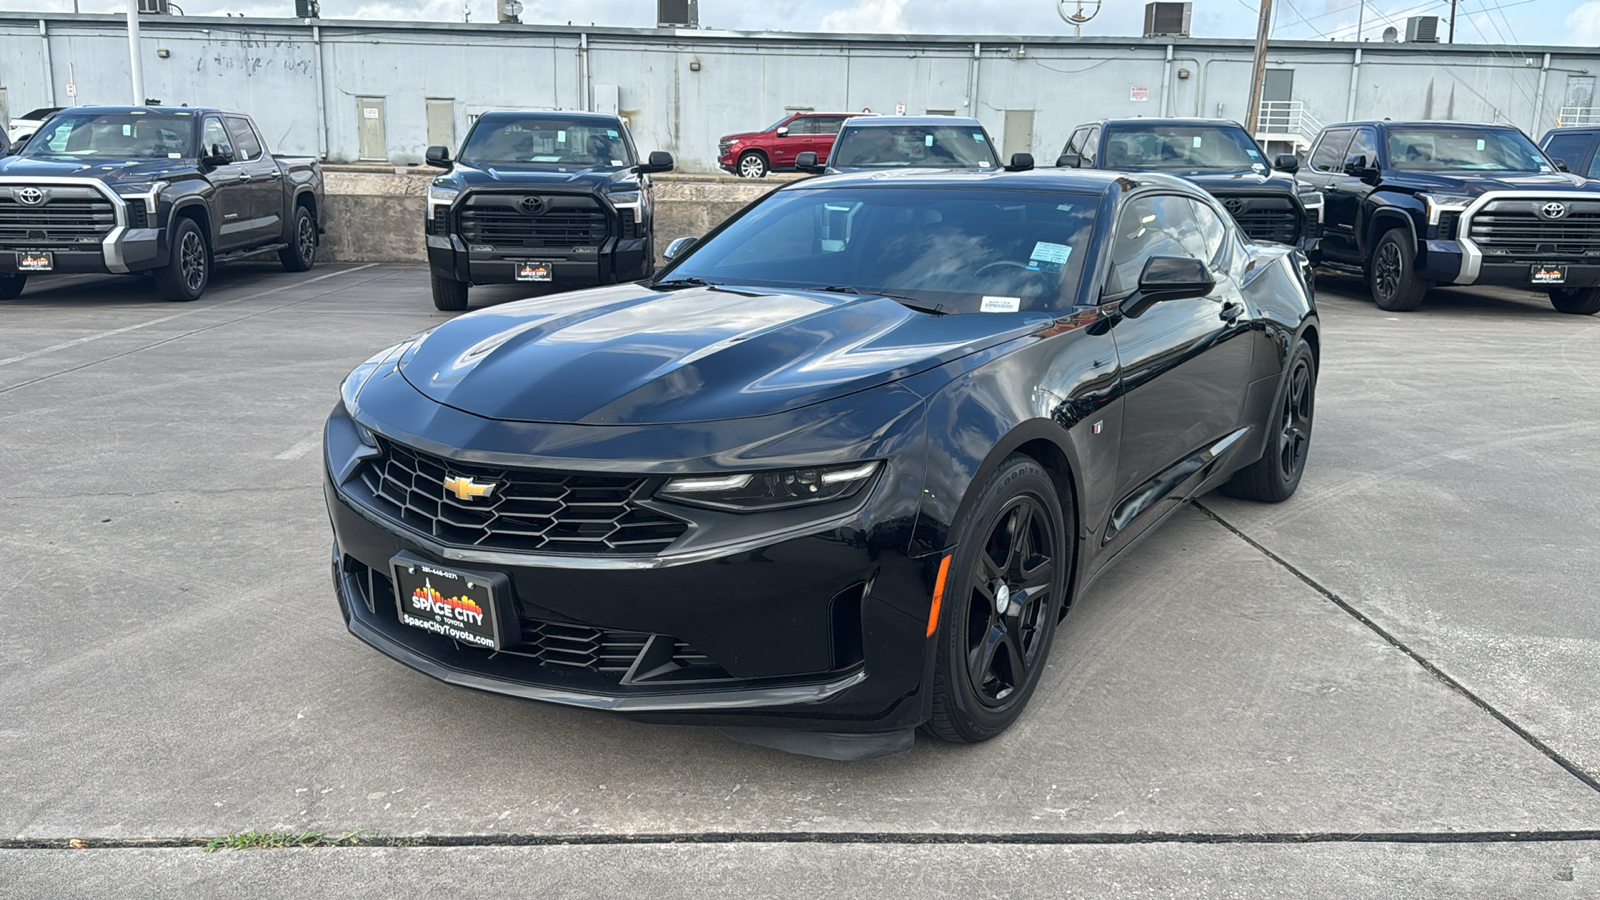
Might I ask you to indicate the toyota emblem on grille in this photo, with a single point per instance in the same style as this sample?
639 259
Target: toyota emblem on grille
1553 210
32 196
1234 204
466 489
531 205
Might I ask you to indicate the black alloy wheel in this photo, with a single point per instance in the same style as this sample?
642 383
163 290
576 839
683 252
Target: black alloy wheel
1004 593
11 286
301 254
188 271
1391 273
752 165
1573 301
1274 477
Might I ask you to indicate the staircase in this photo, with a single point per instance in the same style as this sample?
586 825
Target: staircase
1287 121
1572 116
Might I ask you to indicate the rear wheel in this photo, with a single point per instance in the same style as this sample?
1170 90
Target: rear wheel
1576 301
187 273
752 165
301 254
11 286
1392 273
1003 594
449 294
1274 477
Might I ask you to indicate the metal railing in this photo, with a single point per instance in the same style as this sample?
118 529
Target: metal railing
1578 115
1287 120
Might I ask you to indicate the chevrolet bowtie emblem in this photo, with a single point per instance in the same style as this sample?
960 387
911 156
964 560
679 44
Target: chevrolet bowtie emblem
467 489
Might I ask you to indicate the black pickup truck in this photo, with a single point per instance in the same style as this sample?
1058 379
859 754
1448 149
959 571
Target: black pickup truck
547 197
1414 204
1219 156
153 190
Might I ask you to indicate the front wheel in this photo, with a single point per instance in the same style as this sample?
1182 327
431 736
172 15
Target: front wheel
186 274
449 294
1392 273
1576 301
11 286
1003 593
301 254
1274 477
752 165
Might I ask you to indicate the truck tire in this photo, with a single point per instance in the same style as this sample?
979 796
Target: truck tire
186 274
449 294
753 165
301 254
1574 301
11 286
1392 273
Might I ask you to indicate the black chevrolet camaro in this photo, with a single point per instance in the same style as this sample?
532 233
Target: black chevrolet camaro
838 470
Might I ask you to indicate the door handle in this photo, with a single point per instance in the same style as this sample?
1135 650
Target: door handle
1231 311
1333 188
274 174
244 176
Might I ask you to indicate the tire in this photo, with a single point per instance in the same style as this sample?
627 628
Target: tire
974 699
753 165
1392 273
186 274
11 286
1274 477
301 254
449 294
1573 301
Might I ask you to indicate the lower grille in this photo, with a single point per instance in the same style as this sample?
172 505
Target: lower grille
1516 228
72 218
551 221
1272 219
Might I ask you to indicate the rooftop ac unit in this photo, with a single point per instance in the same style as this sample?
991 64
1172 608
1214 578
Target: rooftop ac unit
154 7
677 13
1166 19
1422 30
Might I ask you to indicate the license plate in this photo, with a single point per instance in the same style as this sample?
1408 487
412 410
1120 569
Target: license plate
1548 275
533 271
458 605
35 262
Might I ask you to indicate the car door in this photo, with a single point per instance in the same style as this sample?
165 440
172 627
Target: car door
231 200
1327 161
1346 193
1185 363
262 179
798 135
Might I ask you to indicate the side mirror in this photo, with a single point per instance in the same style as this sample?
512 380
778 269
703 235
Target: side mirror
659 161
783 131
1020 162
677 248
1286 162
807 162
1069 161
1356 166
1561 165
1168 278
217 155
438 157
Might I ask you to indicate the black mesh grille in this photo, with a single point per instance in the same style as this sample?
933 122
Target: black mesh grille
506 220
526 509
138 216
72 218
1515 228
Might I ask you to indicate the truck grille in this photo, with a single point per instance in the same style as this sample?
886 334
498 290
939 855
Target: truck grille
1272 219
527 509
557 221
72 218
1515 228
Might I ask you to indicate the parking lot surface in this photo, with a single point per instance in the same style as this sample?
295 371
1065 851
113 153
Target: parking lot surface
1389 681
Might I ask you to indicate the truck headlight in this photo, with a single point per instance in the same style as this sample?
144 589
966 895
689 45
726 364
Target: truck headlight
758 491
441 195
628 200
1441 203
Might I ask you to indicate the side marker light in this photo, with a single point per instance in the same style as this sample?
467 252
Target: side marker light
938 595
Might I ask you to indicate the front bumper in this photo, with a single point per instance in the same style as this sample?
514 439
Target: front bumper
1458 262
613 262
121 250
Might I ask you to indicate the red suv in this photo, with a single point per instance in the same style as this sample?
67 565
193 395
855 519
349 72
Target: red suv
754 154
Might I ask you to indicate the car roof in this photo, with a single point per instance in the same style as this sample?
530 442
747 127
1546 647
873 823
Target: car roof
555 113
917 121
152 110
820 112
1573 129
1164 120
1423 123
1081 181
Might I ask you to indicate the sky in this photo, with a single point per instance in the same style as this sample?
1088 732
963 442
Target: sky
1479 21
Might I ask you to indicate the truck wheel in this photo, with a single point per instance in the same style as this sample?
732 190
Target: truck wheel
301 254
1392 273
1576 301
187 273
11 286
752 165
449 294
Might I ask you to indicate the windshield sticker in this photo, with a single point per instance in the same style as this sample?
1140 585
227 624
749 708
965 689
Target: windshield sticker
561 137
1480 143
927 140
1197 140
1253 154
174 156
611 132
1000 304
978 138
1064 207
616 162
983 164
547 159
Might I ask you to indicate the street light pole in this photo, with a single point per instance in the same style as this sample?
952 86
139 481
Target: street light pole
134 68
1258 74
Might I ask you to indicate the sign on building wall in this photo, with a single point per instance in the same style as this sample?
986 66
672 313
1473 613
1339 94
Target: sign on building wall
1138 94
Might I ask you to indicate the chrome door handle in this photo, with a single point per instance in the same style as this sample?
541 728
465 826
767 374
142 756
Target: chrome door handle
1231 311
244 176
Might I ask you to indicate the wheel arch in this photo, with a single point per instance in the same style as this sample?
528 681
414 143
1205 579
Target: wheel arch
1385 218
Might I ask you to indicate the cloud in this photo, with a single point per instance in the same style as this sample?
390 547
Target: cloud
1583 24
873 16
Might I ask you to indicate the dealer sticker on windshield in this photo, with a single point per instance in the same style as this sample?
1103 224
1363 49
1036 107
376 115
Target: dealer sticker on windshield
1048 257
1000 304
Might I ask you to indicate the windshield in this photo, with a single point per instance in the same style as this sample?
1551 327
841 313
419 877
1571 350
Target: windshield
1182 149
561 144
1464 149
950 250
114 136
925 146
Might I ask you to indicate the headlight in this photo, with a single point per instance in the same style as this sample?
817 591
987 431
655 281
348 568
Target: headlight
441 195
350 390
755 491
148 191
1438 203
628 200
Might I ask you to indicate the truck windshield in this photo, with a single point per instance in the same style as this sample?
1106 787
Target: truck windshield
558 143
1182 149
114 136
1464 149
920 146
965 250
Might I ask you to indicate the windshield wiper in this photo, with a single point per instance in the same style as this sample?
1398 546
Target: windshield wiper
936 309
675 283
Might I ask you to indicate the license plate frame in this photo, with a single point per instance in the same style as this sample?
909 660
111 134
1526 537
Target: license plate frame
1553 274
468 607
534 270
41 261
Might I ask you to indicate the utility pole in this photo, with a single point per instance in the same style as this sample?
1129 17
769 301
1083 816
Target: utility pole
134 67
1258 75
1361 18
1452 21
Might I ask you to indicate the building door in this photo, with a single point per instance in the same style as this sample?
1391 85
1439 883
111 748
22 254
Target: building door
1018 134
442 123
1277 116
369 128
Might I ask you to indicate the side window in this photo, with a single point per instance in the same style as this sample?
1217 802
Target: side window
1329 155
1153 225
1365 144
1212 232
212 134
244 139
828 124
1091 147
803 125
1075 143
1569 148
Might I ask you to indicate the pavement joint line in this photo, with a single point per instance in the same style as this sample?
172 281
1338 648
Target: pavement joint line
1555 756
858 837
44 351
215 325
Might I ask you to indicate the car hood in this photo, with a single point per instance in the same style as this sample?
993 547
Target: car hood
741 136
1252 183
515 176
109 171
632 355
1473 185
